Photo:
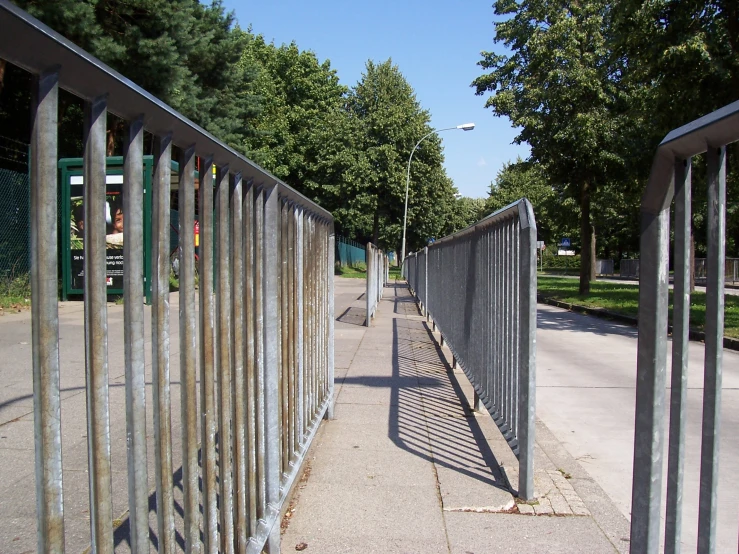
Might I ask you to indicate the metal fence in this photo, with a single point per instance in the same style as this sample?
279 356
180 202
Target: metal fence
731 270
377 273
604 267
349 253
671 175
479 287
629 268
263 330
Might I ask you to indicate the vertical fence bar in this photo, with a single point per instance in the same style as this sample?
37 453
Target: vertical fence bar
312 321
133 334
188 368
521 258
679 382
96 328
240 441
207 359
272 362
715 259
259 343
292 315
285 343
249 356
45 322
650 375
223 359
300 326
160 342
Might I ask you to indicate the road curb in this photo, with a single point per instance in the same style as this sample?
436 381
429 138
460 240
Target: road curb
694 334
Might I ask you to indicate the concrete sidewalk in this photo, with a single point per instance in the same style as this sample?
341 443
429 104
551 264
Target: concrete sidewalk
406 466
17 478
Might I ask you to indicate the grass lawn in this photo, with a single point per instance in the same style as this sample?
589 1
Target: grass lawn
624 298
360 272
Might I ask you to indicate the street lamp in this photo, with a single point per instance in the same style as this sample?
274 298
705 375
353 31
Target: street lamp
464 127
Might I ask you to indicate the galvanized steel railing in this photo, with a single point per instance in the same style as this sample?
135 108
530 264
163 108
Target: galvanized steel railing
671 177
604 267
479 287
377 272
629 268
264 330
731 270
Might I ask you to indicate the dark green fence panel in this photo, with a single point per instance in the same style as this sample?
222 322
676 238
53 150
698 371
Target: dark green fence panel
349 252
15 230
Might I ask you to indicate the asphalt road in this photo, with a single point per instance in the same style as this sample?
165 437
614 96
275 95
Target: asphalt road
586 395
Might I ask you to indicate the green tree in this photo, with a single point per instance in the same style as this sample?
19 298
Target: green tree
184 53
681 59
299 94
391 121
555 212
560 87
465 211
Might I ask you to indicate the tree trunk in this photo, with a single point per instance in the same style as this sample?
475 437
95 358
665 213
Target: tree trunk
376 228
692 263
587 240
2 74
115 130
593 258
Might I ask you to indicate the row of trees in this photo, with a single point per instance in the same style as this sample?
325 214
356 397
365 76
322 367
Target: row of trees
345 148
593 86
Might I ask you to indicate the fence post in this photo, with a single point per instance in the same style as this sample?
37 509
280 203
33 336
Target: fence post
331 315
527 353
368 292
651 365
426 279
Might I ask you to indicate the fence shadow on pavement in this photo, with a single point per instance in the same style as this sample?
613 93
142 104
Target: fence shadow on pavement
435 411
354 316
404 304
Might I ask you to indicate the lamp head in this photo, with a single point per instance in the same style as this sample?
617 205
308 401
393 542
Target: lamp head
466 126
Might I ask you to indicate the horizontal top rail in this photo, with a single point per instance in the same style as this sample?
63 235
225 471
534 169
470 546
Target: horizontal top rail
521 207
29 44
717 128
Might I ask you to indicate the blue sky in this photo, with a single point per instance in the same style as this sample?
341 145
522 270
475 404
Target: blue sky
435 43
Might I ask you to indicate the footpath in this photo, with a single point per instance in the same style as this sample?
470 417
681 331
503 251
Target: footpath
406 466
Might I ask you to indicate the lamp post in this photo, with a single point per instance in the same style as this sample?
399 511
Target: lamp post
463 127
